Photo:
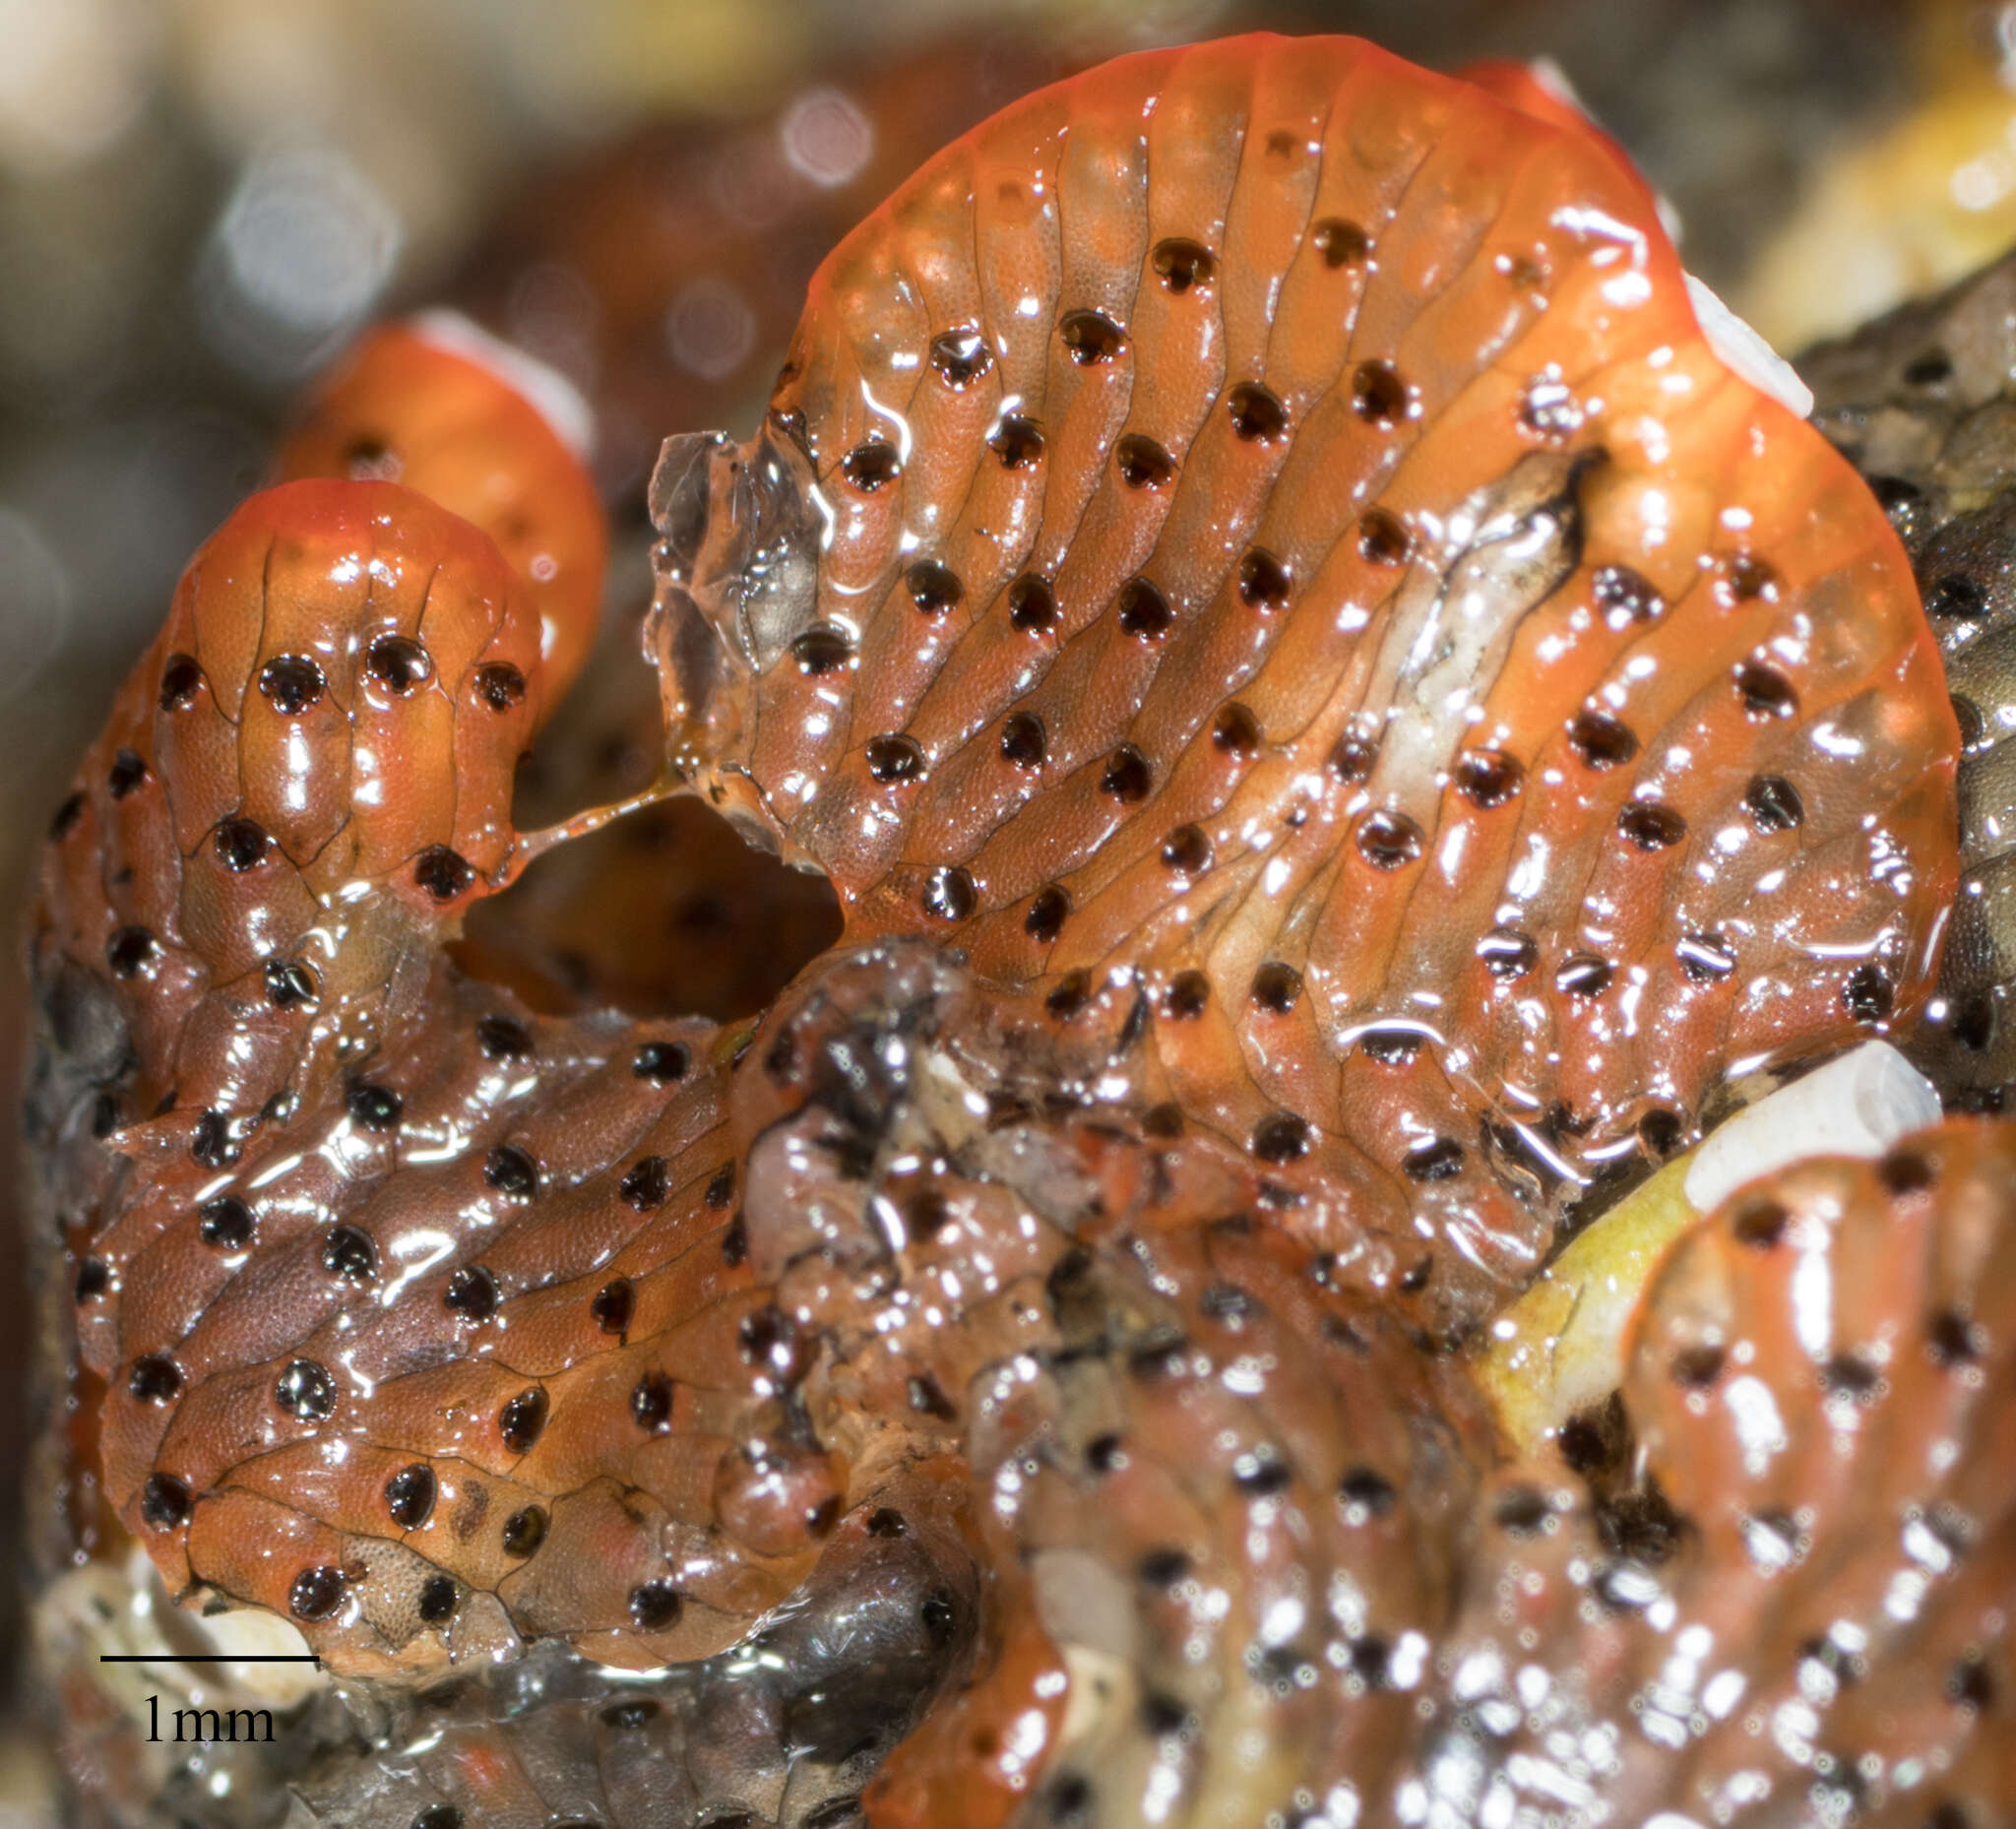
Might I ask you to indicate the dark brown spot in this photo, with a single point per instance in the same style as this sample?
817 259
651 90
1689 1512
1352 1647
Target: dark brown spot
637 1711
164 1502
1237 731
1070 995
1390 1046
873 466
651 1401
443 873
1953 1340
646 1185
1774 804
131 951
1974 1021
240 844
1281 1137
1382 539
525 1531
409 1495
1521 1510
1868 996
613 1306
1142 463
64 823
1188 995
1186 850
1765 691
1340 243
502 1037
1956 595
961 356
349 1252
1583 975
1367 1492
399 664
225 1224
1928 368
1024 742
1508 953
1388 840
288 983
1760 1222
1351 760
1652 825
1706 957
306 1391
523 1420
1277 987
1143 610
894 758
721 1188
1090 337
949 893
655 1606
1748 579
821 649
1047 911
1601 741
182 680
439 1598
1549 409
1258 417
1698 1367
93 1279
1625 597
512 1171
126 774
934 588
316 1593
1851 1374
1031 604
885 1522
1440 1159
291 683
1126 776
1378 396
1970 1684
1263 580
500 685
1183 265
1487 777
472 1294
1016 441
660 1062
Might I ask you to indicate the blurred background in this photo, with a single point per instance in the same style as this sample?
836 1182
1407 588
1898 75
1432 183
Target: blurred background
203 201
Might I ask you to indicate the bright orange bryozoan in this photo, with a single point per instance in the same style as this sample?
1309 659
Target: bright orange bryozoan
1288 559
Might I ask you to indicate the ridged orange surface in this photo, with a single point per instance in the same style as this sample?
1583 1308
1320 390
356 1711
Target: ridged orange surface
1288 553
1331 714
403 408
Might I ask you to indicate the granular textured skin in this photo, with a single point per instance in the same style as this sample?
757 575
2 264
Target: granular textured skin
1012 1381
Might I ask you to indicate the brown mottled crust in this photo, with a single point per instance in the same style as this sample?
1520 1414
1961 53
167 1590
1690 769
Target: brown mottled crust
1277 550
1921 402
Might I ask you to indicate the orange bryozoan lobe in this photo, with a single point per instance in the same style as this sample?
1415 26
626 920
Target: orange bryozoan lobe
1257 533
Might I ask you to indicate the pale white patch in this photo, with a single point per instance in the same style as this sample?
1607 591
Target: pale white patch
1857 1106
1743 352
545 389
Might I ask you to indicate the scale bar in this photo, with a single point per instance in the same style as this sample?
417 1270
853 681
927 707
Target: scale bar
204 1656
